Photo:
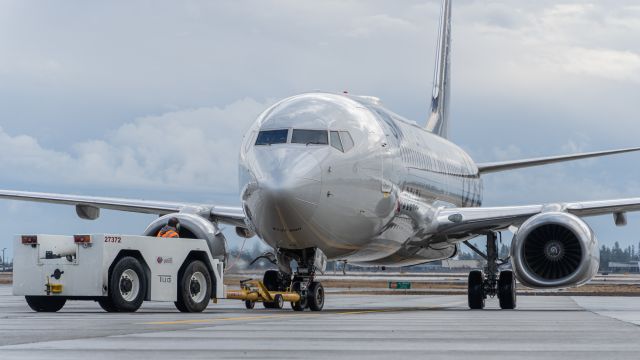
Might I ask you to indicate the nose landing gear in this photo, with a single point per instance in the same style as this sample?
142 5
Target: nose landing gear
491 283
278 286
302 281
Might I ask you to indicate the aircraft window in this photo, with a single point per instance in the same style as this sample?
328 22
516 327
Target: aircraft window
268 137
309 137
347 141
335 140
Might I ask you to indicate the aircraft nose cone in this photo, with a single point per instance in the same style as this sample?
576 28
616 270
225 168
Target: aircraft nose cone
287 193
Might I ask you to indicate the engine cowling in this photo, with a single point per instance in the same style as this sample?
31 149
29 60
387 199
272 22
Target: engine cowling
194 227
554 250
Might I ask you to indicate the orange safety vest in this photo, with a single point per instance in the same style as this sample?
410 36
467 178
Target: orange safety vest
168 232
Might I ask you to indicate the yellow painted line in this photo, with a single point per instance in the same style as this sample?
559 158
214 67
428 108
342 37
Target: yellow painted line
240 318
277 316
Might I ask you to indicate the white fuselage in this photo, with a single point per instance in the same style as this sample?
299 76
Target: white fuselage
303 185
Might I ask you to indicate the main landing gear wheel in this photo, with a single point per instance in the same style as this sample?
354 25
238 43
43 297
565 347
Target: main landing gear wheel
127 286
475 292
315 296
45 303
249 304
194 291
507 290
492 282
303 303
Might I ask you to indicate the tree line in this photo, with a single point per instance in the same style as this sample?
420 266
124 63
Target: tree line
618 254
608 254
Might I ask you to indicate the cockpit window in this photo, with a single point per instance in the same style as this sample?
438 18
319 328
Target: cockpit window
335 140
268 137
347 141
309 137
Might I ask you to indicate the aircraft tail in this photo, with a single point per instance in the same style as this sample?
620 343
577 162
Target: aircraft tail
438 122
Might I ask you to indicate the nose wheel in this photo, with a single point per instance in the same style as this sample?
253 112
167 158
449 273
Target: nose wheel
315 296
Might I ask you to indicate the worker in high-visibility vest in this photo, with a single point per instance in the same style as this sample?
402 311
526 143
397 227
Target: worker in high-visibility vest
171 229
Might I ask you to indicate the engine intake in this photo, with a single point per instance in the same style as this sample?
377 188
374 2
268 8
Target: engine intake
555 250
194 227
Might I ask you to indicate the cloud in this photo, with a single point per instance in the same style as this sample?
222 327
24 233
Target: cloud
193 148
606 63
530 78
380 24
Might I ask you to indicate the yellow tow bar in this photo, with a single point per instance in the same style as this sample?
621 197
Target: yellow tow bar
253 291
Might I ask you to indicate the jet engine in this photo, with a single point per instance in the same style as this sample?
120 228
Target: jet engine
554 250
194 227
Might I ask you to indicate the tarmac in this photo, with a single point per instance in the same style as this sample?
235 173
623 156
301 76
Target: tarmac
351 326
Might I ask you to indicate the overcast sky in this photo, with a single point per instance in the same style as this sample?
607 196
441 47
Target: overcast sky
150 99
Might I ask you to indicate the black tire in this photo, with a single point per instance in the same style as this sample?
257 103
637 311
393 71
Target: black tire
299 305
315 296
180 306
271 280
45 303
194 288
475 292
249 304
275 280
507 290
277 303
106 304
127 285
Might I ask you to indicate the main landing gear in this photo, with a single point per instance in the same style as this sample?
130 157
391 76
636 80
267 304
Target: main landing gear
491 283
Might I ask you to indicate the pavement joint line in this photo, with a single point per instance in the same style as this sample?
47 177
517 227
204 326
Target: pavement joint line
278 316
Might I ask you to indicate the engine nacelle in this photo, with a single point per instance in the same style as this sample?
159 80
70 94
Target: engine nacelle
554 250
194 227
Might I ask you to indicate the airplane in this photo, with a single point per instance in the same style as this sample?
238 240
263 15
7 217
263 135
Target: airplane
335 176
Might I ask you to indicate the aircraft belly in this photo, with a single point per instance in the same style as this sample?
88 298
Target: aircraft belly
411 255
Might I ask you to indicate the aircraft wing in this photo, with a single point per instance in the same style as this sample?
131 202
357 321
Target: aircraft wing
490 167
85 205
456 221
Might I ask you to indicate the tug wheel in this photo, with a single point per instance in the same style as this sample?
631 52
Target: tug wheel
45 303
127 286
194 288
106 304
